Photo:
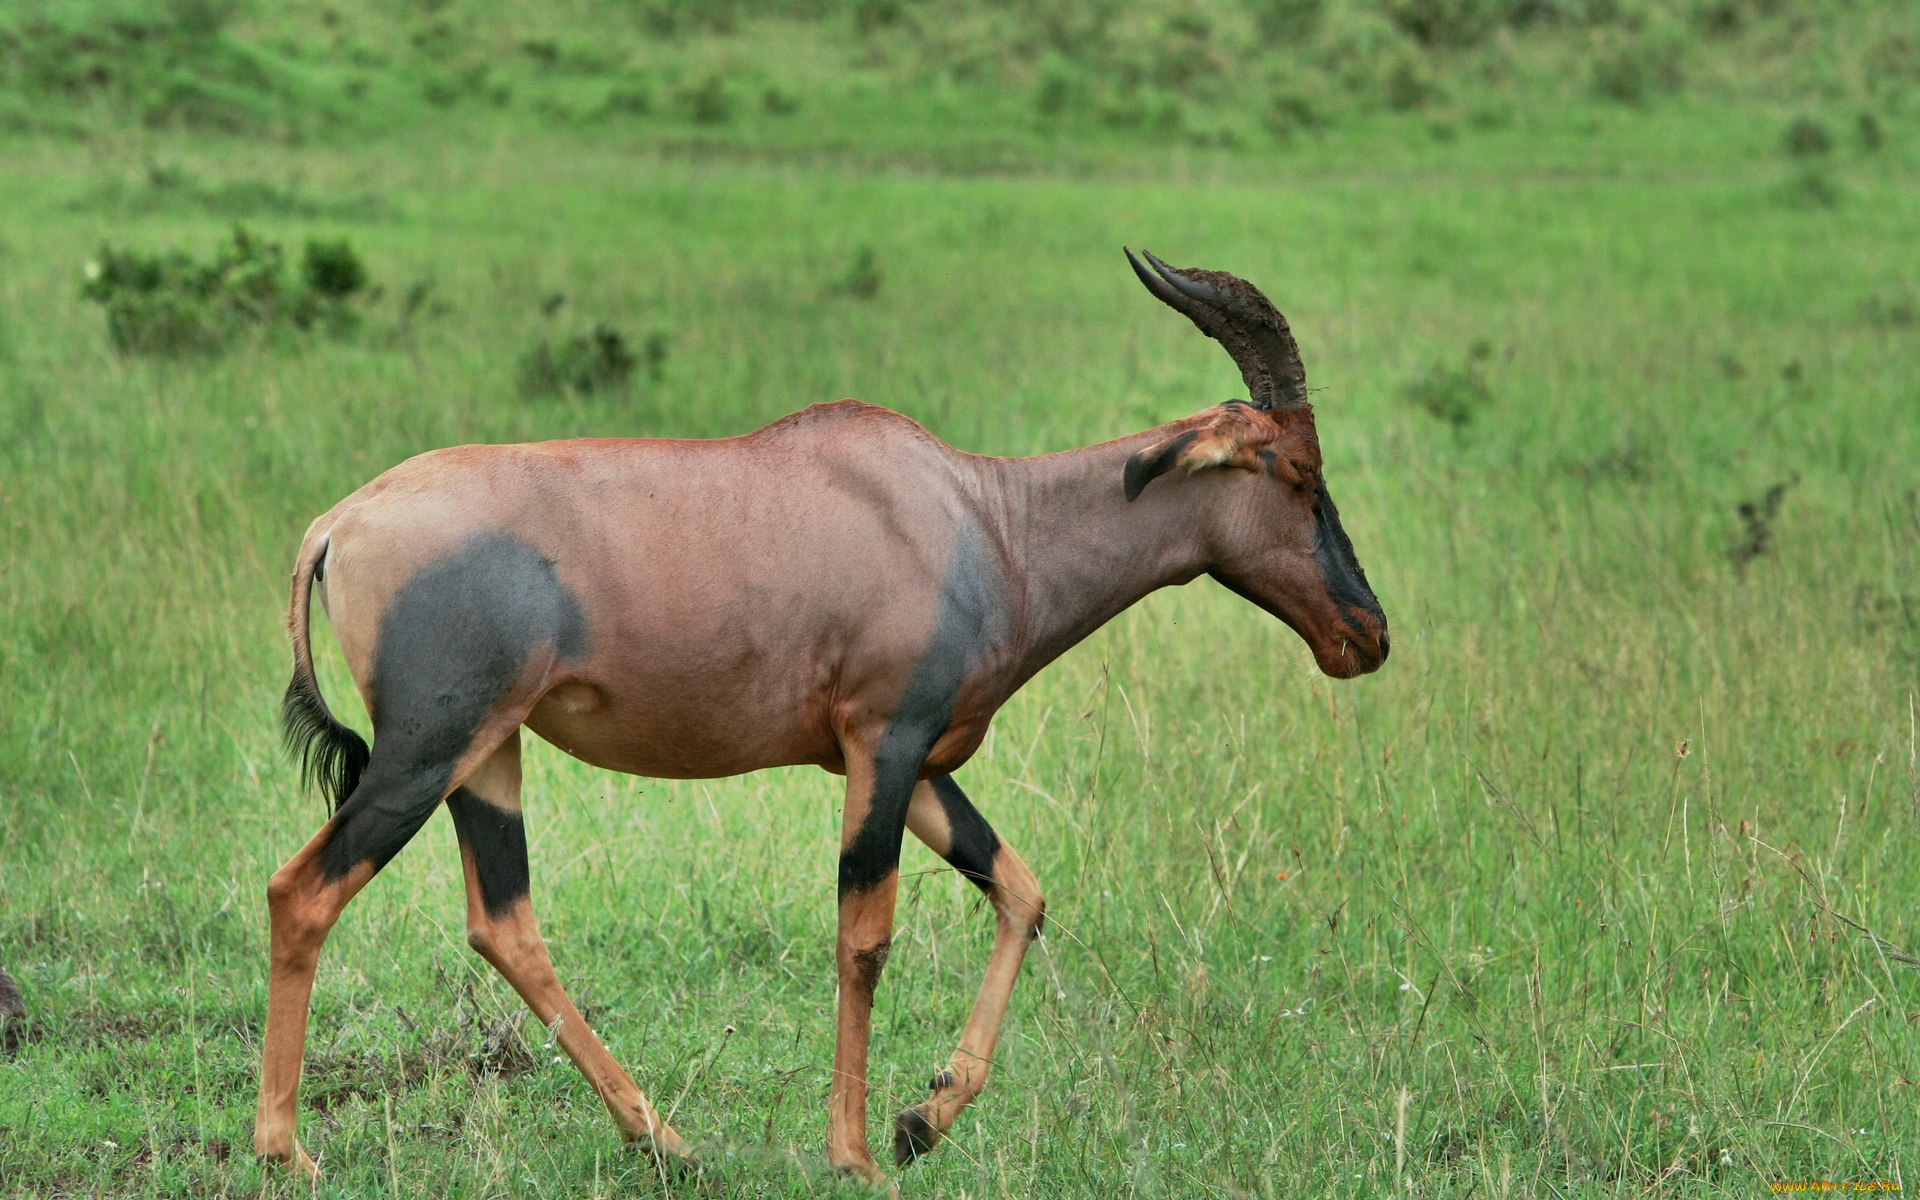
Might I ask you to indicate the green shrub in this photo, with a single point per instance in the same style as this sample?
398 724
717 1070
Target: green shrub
870 16
708 101
1059 88
1894 310
1408 85
174 68
165 187
173 304
595 361
1632 70
1445 22
1453 394
1185 54
1807 138
862 279
1289 113
1868 132
1286 22
1757 518
1812 186
627 102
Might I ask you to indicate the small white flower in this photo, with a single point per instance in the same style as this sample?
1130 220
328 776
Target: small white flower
111 1145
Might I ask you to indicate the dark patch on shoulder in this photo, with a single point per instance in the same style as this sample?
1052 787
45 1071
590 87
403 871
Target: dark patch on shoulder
974 842
498 841
1142 470
868 964
913 1135
452 641
921 715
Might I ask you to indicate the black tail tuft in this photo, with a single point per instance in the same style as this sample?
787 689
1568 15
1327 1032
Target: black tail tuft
330 755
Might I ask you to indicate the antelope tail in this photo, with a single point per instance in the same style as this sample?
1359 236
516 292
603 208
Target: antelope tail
329 754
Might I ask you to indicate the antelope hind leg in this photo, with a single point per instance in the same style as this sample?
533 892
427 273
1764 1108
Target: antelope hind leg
304 899
501 927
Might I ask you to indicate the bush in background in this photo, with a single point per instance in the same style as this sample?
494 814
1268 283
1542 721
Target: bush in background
173 65
1453 394
596 361
172 304
1192 71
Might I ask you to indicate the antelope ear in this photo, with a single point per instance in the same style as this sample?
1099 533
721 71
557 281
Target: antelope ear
1233 439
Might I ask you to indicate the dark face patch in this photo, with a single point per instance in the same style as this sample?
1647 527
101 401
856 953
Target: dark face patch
453 640
1340 567
921 715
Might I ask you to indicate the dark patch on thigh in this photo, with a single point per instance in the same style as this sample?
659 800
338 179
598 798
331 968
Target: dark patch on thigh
459 633
867 965
921 716
453 640
974 843
387 808
497 840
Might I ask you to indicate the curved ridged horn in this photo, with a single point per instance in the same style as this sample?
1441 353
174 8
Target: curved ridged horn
1232 311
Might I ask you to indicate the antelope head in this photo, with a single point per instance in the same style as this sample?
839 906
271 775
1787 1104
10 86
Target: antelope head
1274 534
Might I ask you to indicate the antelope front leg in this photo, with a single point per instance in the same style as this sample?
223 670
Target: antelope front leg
943 818
880 785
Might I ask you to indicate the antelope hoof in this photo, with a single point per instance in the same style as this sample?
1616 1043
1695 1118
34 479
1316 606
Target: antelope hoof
913 1134
866 1172
295 1160
673 1156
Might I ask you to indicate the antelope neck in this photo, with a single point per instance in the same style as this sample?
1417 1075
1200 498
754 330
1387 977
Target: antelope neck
1081 550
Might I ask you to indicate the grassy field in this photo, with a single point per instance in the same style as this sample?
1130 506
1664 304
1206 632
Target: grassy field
1599 887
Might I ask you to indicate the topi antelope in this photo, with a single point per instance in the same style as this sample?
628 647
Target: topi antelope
839 588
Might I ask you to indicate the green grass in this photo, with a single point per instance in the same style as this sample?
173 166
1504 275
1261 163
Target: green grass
1553 904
